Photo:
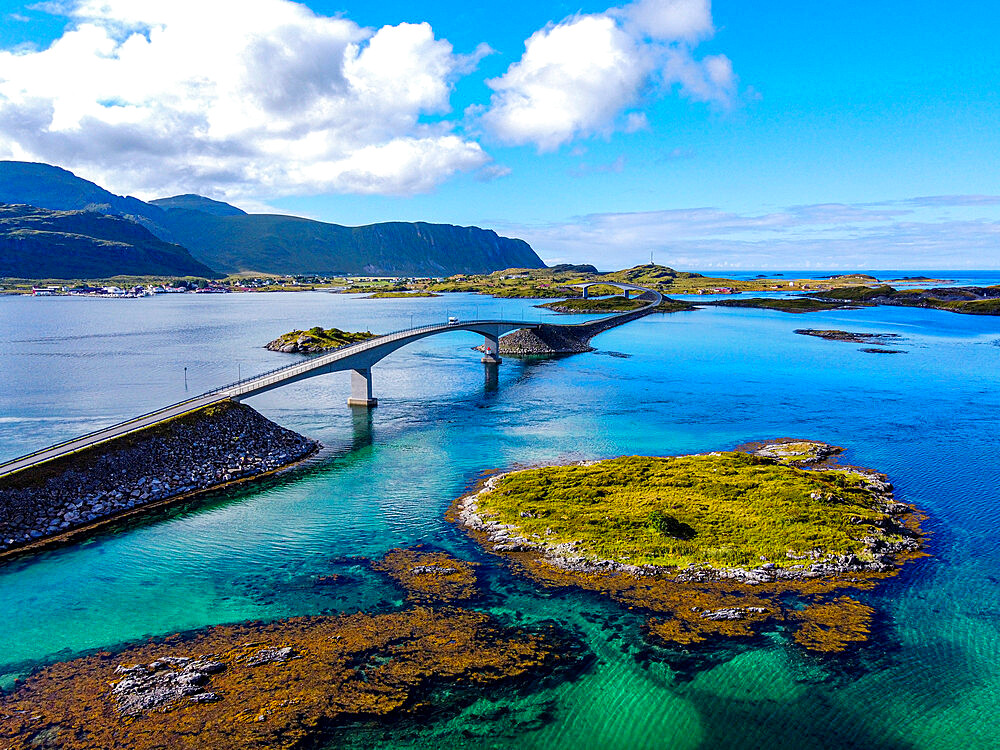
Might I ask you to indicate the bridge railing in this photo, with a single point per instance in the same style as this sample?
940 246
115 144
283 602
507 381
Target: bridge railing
94 433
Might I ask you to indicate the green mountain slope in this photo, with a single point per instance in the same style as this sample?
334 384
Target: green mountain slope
287 244
227 239
46 186
36 243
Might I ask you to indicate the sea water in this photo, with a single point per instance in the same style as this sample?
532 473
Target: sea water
665 384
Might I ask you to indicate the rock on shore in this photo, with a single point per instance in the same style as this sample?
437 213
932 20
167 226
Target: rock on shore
210 447
552 338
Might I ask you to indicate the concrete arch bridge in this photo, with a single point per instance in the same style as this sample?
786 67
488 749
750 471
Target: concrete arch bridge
358 358
626 288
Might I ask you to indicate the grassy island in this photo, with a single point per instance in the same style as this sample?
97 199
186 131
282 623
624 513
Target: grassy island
316 339
720 510
400 295
716 544
601 305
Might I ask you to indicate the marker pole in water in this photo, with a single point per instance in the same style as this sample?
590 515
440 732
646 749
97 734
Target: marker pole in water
185 378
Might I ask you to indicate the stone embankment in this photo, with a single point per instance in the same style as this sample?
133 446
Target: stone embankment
552 338
195 452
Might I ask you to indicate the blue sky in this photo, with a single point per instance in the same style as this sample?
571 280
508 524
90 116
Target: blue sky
717 135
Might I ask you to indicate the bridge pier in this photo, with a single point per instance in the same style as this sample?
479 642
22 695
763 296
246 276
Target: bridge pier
361 389
625 292
491 350
586 292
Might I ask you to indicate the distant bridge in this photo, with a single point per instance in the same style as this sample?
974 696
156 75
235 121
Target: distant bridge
626 288
358 358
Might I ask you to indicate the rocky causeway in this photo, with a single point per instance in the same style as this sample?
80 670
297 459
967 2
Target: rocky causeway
196 452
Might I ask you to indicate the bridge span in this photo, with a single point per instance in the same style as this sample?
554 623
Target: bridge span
358 358
626 288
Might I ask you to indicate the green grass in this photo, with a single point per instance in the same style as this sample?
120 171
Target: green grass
638 510
975 307
856 293
398 295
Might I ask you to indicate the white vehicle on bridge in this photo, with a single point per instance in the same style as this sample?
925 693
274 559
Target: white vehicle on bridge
452 321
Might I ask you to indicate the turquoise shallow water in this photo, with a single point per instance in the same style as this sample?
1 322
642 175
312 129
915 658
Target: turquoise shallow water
693 381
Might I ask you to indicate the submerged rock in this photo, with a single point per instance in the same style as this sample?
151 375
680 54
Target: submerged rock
280 685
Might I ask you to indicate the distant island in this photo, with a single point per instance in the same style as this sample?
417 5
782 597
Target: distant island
711 545
225 239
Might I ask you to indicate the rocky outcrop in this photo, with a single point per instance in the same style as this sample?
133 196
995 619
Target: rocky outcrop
304 344
208 448
551 338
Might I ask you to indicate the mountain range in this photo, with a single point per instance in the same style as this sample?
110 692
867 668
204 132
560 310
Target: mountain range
36 243
221 238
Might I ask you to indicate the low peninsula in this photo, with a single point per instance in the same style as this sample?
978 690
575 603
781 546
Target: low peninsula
969 300
708 545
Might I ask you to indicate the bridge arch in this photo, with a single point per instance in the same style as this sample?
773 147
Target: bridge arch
359 359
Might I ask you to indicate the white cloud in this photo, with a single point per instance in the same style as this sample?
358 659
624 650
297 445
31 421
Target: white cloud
710 79
670 19
580 77
256 98
574 78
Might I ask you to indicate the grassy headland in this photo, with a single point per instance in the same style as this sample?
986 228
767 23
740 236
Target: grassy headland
782 304
968 300
604 304
400 295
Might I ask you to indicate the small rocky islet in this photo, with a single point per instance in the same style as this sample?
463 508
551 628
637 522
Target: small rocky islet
881 340
316 340
709 545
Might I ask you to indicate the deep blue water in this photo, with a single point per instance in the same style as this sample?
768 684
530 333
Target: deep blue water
695 381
